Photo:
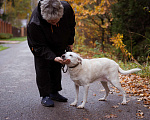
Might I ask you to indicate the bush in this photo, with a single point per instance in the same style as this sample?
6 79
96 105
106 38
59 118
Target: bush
5 35
132 19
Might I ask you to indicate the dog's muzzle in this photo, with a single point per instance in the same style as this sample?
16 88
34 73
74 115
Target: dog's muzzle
63 57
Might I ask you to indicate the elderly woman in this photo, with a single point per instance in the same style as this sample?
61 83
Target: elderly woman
50 31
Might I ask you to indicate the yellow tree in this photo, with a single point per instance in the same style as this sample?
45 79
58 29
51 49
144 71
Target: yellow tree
17 10
94 18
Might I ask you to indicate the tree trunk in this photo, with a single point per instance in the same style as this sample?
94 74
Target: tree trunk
102 41
98 2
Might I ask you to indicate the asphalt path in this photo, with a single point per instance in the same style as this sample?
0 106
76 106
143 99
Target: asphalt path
19 96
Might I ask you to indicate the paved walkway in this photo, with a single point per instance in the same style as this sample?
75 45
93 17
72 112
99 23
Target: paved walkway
19 97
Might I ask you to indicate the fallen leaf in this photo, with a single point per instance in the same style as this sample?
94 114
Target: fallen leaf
119 110
146 106
120 95
140 114
86 118
7 118
141 95
117 91
103 90
137 103
139 99
115 106
111 116
146 102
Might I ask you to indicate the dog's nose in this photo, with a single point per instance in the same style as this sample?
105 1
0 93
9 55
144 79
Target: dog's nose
63 56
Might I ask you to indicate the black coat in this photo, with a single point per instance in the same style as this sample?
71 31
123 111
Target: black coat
49 41
46 42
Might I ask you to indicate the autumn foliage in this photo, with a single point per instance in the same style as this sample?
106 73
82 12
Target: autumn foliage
97 23
16 10
94 28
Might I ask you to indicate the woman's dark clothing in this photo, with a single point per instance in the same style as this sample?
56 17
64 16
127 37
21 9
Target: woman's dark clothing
46 42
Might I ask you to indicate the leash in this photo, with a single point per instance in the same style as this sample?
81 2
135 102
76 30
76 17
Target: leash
64 71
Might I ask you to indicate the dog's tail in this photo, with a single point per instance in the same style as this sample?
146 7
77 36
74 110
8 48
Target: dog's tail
128 71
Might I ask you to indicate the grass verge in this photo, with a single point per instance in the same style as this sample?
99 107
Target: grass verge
3 48
12 39
16 39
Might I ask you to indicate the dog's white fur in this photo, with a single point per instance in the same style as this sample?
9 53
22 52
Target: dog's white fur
85 71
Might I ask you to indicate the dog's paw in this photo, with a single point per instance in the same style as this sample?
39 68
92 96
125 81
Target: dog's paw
123 103
102 99
73 104
80 106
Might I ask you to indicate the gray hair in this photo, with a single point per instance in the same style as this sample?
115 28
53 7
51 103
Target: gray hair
51 9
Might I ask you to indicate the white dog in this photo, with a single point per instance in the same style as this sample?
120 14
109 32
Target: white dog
85 71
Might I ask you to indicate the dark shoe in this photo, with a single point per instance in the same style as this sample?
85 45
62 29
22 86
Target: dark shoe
47 102
58 97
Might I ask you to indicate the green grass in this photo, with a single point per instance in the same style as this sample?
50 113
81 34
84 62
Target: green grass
12 39
2 48
17 39
96 53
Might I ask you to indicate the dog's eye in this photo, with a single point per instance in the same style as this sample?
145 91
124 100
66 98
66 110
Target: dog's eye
71 55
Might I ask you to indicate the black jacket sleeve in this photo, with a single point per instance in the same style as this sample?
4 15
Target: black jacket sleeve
37 43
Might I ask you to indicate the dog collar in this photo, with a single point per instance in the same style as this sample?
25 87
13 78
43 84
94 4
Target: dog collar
74 66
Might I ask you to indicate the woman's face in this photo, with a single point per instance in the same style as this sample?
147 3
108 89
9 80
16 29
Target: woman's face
53 22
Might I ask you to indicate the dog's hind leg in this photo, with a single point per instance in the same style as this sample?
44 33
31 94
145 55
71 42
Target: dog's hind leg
76 98
106 90
86 88
117 84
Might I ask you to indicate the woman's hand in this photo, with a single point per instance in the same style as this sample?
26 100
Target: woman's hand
60 60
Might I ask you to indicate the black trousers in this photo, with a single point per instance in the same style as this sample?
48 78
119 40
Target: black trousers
48 76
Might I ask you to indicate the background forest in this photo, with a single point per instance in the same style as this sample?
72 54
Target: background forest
14 11
124 24
118 29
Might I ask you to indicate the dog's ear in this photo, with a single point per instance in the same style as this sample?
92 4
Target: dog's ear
80 60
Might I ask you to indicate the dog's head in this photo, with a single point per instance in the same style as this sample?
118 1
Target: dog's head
73 57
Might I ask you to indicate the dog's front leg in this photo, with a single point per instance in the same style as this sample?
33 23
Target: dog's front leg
86 87
76 98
